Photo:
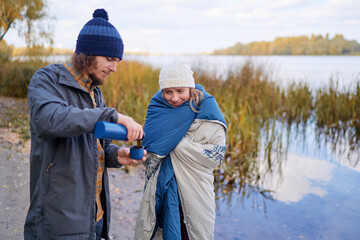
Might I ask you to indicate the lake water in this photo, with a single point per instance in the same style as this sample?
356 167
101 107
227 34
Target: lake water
314 192
315 70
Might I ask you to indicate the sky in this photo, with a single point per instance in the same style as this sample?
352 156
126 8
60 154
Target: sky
202 26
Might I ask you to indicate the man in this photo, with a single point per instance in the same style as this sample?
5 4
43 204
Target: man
69 191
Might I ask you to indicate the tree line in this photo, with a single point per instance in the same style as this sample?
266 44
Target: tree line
300 45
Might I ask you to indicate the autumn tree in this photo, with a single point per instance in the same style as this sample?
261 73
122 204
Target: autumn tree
29 18
300 45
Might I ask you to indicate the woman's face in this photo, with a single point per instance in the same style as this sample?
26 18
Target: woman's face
176 96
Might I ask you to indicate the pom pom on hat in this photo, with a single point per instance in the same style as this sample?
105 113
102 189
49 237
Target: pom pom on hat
98 37
177 74
101 13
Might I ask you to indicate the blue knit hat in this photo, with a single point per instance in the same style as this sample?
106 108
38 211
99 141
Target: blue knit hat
98 37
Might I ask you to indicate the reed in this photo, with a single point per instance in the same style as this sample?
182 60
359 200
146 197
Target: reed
130 88
337 114
259 113
256 110
339 109
247 98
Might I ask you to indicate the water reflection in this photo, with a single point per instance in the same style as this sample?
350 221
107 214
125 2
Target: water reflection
352 160
297 179
284 150
344 145
307 190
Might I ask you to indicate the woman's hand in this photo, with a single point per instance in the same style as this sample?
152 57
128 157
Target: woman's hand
123 157
134 129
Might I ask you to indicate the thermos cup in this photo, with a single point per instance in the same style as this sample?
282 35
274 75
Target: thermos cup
136 152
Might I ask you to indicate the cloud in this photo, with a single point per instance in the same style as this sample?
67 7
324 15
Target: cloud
307 174
284 4
164 26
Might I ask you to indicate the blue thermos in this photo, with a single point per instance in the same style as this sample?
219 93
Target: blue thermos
110 130
116 131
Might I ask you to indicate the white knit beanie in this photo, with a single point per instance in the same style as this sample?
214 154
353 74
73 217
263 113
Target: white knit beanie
177 74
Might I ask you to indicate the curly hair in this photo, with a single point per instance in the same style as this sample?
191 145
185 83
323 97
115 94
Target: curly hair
81 61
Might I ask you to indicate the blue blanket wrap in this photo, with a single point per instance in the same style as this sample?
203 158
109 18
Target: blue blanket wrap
165 126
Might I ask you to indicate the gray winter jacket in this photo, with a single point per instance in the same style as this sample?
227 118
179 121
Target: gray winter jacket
63 158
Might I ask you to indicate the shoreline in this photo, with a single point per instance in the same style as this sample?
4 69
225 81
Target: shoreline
126 184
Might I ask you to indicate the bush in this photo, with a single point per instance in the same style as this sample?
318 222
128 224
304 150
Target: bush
15 77
5 52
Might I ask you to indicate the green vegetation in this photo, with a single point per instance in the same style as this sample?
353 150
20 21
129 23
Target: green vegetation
5 52
261 116
301 45
337 119
41 51
133 83
15 76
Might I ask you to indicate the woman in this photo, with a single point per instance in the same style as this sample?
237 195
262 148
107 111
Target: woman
185 140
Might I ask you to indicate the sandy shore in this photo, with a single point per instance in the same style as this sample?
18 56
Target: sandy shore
125 186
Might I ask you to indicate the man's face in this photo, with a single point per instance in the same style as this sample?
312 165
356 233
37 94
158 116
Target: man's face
102 68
